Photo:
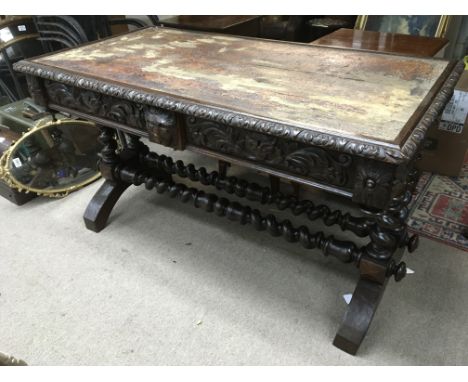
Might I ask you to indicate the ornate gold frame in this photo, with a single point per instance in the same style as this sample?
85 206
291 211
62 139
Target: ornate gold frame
361 22
6 161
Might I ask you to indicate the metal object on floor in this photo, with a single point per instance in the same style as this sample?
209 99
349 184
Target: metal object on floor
21 116
53 159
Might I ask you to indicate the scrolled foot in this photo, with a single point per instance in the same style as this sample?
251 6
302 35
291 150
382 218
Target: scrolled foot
99 208
358 316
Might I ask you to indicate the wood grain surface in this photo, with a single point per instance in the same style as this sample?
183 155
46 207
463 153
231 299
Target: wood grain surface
383 42
341 91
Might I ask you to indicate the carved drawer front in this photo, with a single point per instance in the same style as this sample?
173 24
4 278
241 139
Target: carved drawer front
306 161
160 124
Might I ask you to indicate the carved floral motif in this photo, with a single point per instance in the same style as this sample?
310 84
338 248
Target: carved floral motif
374 183
312 162
159 123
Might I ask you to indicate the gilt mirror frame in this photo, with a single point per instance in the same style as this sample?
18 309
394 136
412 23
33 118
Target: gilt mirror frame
7 158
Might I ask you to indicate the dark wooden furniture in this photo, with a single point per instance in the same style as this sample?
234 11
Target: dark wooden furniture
17 41
229 24
383 42
320 26
7 138
345 121
285 28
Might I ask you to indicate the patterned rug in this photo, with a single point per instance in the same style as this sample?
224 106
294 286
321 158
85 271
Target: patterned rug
440 208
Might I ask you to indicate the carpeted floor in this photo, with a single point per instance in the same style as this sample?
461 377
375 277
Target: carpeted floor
440 209
165 284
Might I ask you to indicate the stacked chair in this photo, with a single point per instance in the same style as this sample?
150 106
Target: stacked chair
23 37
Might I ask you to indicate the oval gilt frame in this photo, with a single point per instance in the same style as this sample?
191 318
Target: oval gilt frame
6 162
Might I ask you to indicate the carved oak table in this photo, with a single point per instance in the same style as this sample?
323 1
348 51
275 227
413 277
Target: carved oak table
348 122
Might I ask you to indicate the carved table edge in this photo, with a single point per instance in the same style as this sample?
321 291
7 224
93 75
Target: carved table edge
413 142
333 142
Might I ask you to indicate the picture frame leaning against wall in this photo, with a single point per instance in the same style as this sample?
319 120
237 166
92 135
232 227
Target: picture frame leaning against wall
423 25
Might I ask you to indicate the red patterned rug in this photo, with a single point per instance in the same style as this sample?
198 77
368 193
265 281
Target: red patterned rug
440 208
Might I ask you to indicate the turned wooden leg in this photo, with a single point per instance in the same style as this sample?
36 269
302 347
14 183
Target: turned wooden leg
358 316
99 208
296 189
223 167
374 276
366 298
379 261
274 184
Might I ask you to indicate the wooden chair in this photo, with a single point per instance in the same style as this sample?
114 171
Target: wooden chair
57 32
18 40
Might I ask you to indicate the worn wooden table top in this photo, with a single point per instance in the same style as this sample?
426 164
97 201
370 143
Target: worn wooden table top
349 93
383 42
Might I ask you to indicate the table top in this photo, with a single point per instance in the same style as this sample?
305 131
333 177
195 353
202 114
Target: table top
212 23
383 42
311 90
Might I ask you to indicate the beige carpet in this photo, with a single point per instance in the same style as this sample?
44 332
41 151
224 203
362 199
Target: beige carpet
166 284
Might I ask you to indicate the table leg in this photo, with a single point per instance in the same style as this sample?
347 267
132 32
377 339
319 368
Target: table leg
389 239
98 210
358 317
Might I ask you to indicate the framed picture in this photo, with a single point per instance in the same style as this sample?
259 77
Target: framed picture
429 26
